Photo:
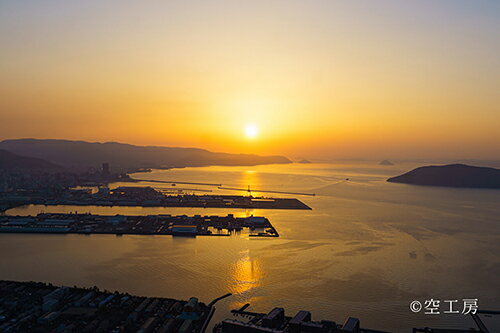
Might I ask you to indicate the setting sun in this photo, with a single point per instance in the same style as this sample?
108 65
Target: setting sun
251 131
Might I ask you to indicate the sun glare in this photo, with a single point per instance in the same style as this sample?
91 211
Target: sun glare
251 131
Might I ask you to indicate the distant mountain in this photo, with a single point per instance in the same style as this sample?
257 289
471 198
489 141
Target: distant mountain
386 162
10 161
90 154
304 161
452 175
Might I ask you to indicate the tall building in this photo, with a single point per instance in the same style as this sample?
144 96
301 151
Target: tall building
105 170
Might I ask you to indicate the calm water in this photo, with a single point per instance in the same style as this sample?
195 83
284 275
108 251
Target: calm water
366 249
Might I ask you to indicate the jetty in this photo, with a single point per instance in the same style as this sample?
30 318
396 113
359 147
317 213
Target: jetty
162 224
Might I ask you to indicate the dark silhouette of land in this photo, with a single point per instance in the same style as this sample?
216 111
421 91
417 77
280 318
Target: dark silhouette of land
386 162
10 161
40 307
452 175
304 161
124 156
181 225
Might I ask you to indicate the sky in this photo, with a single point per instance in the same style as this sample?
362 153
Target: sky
310 79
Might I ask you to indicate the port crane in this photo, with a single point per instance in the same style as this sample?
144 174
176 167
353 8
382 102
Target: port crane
249 191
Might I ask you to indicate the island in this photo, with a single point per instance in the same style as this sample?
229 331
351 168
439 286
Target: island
451 175
386 162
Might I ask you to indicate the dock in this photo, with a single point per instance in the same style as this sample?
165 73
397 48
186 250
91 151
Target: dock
163 224
133 196
275 321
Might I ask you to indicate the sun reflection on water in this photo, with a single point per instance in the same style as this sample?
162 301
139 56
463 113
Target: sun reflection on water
246 274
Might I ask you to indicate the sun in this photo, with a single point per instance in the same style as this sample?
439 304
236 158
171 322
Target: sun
251 131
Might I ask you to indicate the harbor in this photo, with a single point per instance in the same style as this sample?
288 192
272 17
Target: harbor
162 224
146 197
42 307
276 321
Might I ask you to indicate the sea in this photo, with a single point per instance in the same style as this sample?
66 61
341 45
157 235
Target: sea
367 249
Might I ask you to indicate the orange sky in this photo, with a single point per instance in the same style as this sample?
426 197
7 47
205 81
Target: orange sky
319 79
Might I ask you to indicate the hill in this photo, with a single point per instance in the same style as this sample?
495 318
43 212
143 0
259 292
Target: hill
452 175
386 163
10 161
91 154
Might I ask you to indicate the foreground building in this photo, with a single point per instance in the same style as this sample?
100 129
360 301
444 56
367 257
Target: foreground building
39 307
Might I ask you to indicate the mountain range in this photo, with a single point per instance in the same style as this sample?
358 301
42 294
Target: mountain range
81 154
11 161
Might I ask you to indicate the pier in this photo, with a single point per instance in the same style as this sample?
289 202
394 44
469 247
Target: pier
163 224
147 197
276 321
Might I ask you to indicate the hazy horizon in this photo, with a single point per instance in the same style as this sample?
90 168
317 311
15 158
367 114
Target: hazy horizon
316 79
324 159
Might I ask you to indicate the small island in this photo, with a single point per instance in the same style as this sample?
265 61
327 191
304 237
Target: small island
386 162
452 175
304 161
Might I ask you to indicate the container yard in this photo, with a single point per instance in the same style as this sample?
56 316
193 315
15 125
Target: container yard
164 224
